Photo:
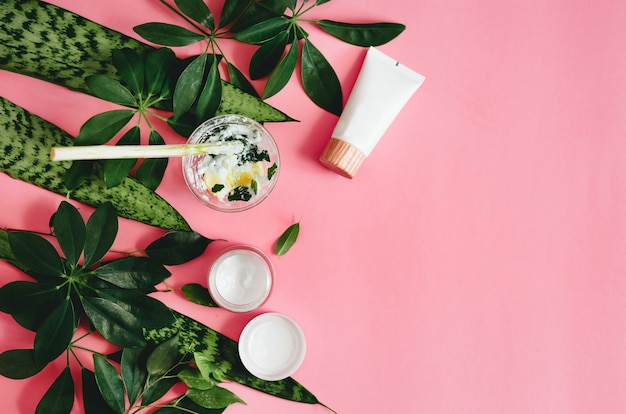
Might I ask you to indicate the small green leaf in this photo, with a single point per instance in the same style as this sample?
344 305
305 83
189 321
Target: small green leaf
101 231
69 229
198 294
211 95
166 34
114 323
110 90
177 247
19 296
267 56
238 79
282 73
109 382
115 171
77 173
185 405
231 11
133 374
183 125
319 80
287 239
55 333
151 171
157 66
150 312
198 11
194 379
36 253
263 31
19 364
271 171
102 127
130 68
368 34
133 272
93 402
214 397
189 84
157 390
59 398
319 2
163 358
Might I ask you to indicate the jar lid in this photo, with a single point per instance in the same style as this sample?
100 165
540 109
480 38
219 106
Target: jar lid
342 158
272 346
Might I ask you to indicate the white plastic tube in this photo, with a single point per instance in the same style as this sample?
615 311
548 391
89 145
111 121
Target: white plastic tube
382 89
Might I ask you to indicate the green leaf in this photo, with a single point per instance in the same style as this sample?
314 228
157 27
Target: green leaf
102 127
194 379
157 66
189 84
69 229
183 125
197 10
368 34
110 90
163 358
55 333
133 272
238 79
267 56
211 95
93 402
287 239
168 34
19 364
319 80
101 231
19 296
114 323
36 253
77 173
215 397
59 398
319 2
231 11
207 367
197 293
263 31
177 247
158 389
109 382
133 374
130 67
115 171
258 12
150 312
151 171
185 405
282 73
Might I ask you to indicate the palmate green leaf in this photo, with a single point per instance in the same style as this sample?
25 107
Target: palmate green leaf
166 34
19 364
114 323
115 171
19 296
189 85
133 272
55 333
101 232
214 397
36 253
151 313
157 66
130 67
59 398
93 402
262 31
287 239
109 383
267 56
197 10
163 358
69 229
211 95
238 79
133 371
102 127
362 34
110 90
177 247
151 170
319 80
231 10
198 294
282 73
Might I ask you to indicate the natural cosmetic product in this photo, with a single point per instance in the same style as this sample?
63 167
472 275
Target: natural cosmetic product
382 88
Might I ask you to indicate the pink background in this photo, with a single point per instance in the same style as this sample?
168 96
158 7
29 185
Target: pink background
477 262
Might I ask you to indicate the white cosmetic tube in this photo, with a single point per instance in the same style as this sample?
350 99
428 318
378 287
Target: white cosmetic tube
382 88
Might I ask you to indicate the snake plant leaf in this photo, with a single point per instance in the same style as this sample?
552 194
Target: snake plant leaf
362 34
166 34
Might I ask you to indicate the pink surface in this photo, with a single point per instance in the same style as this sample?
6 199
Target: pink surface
477 262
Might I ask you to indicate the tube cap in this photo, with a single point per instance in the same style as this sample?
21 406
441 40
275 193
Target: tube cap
342 158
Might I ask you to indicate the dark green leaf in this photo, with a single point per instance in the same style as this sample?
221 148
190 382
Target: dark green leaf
211 95
130 67
114 323
271 171
232 10
115 171
133 272
76 174
319 80
267 56
150 172
282 73
69 229
109 383
19 296
319 2
238 79
157 66
101 231
100 128
193 378
263 31
186 405
168 34
93 402
197 10
59 398
55 333
287 239
36 253
163 358
19 364
215 397
189 84
151 313
183 125
197 293
367 34
158 389
177 247
110 90
134 374
258 12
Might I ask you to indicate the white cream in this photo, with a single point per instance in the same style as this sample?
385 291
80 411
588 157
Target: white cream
382 89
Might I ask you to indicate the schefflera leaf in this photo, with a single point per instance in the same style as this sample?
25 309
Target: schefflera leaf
319 80
362 34
69 229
